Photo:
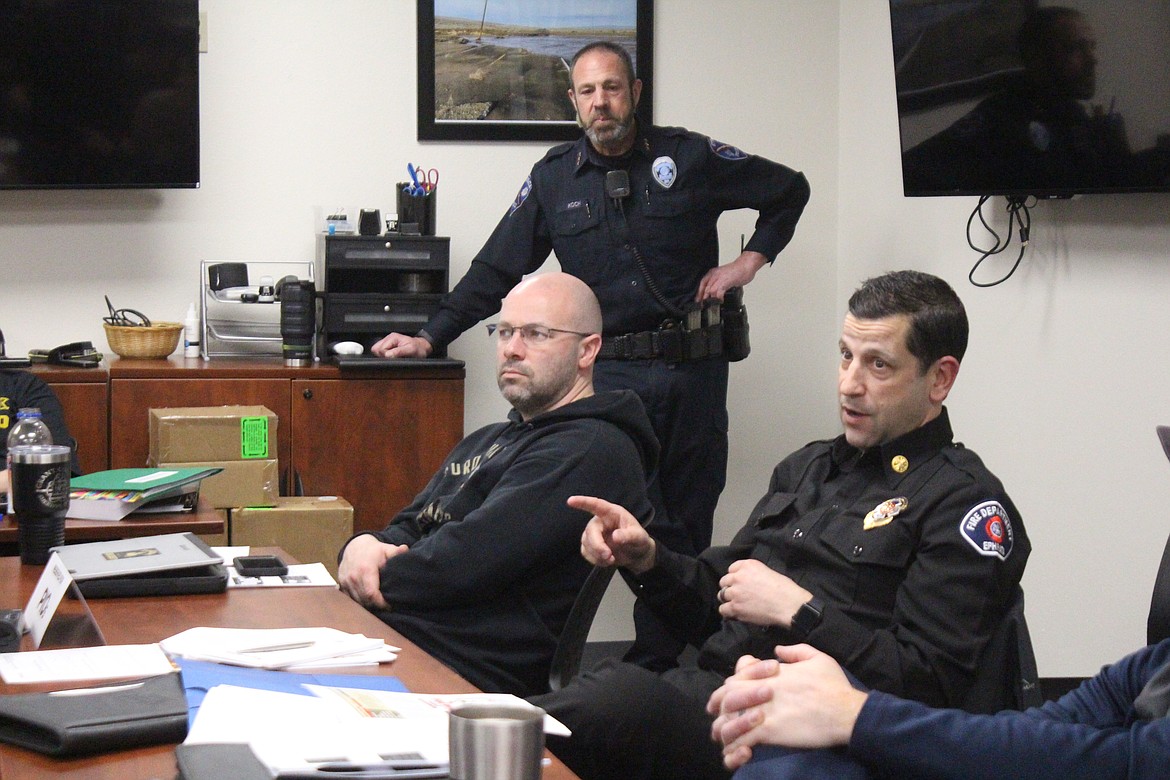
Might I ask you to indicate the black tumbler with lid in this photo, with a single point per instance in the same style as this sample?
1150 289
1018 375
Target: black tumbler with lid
40 498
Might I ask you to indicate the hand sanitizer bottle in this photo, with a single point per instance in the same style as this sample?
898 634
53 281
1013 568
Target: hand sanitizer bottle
191 333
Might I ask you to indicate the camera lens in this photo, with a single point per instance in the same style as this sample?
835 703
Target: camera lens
298 321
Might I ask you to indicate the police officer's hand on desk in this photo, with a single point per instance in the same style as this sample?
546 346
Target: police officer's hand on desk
756 594
738 273
614 537
397 345
360 572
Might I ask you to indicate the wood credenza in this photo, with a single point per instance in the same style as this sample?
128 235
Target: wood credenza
371 436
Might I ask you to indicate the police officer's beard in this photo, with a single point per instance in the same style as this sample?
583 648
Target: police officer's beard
620 128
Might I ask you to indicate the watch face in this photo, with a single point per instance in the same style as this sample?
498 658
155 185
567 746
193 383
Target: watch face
808 616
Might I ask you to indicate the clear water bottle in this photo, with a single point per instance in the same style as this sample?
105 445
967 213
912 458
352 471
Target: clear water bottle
29 429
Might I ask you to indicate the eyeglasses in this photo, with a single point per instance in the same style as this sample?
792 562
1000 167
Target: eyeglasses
529 334
125 317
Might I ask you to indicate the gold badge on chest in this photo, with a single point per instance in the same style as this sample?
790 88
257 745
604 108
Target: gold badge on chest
884 512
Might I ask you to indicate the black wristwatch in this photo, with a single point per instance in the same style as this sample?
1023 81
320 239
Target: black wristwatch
808 616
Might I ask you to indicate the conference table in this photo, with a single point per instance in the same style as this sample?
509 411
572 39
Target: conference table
150 619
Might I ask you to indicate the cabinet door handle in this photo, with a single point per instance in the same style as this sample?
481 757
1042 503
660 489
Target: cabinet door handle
307 394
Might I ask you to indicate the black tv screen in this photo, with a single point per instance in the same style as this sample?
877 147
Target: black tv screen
99 93
1019 97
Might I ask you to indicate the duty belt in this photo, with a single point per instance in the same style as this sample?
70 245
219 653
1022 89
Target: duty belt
670 343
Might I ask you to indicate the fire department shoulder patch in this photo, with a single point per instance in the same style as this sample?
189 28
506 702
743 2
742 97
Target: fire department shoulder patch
988 529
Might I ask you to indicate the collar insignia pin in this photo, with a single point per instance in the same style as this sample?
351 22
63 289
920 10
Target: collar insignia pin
900 464
884 512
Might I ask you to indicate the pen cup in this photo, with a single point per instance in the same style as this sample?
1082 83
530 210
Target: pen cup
416 212
40 498
496 742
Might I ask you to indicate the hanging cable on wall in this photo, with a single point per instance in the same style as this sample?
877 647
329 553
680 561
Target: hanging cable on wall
1019 214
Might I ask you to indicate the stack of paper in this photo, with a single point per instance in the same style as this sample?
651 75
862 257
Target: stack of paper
84 663
279 648
356 729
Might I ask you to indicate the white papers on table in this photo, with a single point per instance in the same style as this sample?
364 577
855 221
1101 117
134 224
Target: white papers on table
381 704
299 574
289 732
278 648
84 663
335 725
381 655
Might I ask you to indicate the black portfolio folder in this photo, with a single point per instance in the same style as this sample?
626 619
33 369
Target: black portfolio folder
102 719
201 579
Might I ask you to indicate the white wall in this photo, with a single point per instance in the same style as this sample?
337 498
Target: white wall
309 105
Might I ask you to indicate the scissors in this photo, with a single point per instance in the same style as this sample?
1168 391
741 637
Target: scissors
429 178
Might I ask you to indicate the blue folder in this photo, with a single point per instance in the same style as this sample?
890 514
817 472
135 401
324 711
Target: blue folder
200 676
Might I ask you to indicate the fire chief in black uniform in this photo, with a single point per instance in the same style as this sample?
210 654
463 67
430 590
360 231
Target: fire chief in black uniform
631 209
892 548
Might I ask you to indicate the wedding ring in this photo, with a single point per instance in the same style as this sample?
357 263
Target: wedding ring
720 596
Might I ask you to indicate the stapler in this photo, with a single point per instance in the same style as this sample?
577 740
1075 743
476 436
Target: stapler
80 354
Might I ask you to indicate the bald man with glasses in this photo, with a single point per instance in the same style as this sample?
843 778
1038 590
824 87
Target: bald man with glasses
482 568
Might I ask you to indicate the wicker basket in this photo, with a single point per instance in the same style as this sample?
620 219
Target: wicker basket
156 341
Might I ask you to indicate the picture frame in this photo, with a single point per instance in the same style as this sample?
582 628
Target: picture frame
495 87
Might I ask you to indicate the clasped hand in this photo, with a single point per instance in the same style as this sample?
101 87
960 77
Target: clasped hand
360 572
756 594
802 701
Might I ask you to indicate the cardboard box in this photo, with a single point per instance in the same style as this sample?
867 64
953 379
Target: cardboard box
241 483
212 433
309 528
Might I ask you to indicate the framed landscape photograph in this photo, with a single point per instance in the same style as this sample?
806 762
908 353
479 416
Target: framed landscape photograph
498 70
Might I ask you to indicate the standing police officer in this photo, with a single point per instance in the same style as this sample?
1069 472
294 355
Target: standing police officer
632 211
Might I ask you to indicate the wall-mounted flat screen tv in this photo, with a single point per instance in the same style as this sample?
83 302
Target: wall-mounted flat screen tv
1019 97
99 93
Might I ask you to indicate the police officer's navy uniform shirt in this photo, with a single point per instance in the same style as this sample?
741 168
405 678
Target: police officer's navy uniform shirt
680 182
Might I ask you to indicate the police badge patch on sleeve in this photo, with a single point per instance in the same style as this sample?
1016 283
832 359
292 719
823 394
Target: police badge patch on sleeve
726 151
521 196
988 529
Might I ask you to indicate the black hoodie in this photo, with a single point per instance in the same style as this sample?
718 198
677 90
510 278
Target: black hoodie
495 553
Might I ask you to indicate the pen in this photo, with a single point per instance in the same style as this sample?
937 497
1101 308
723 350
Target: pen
273 648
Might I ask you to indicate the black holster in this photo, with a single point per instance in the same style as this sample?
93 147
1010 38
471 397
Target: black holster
734 321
